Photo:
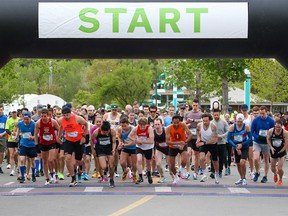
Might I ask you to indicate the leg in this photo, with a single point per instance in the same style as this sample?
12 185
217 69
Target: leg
45 156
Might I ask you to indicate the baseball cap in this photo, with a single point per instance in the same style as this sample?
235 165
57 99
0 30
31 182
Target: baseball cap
90 108
240 117
39 107
114 106
66 109
244 107
13 110
27 114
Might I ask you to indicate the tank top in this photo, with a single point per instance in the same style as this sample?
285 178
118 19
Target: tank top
206 135
47 133
177 135
104 140
73 130
143 135
26 131
160 140
113 122
277 140
124 138
239 136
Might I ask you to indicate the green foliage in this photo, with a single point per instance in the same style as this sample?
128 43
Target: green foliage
269 80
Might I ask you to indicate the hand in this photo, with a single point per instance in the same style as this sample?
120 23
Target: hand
139 143
31 137
272 150
238 151
120 146
282 150
239 146
199 144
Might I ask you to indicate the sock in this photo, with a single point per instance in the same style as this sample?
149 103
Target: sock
141 176
23 171
37 162
148 173
73 178
41 165
33 171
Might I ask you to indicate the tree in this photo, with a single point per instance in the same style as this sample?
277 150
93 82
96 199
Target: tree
269 80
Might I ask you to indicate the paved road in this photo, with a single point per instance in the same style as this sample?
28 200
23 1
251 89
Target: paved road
189 197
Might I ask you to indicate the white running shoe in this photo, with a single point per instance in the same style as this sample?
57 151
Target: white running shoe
239 182
176 180
195 176
12 173
216 178
116 175
252 175
204 178
8 166
47 182
162 180
244 182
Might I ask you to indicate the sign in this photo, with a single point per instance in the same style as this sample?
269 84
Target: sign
143 20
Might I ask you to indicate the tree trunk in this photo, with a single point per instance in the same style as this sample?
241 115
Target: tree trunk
198 77
225 91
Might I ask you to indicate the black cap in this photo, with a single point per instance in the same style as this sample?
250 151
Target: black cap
66 109
244 107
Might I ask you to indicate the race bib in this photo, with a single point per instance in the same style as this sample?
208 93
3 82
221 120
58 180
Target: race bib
26 135
163 144
2 126
47 137
72 134
238 138
193 131
263 133
276 142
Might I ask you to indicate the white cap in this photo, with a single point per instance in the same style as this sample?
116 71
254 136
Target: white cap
91 107
240 117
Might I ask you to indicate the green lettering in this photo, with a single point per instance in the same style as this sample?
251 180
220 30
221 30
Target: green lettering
139 12
197 15
172 21
83 17
115 17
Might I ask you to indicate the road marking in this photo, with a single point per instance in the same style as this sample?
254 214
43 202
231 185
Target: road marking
21 190
239 190
132 206
93 189
163 189
9 183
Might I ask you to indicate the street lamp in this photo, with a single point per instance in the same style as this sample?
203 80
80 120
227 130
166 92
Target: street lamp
247 88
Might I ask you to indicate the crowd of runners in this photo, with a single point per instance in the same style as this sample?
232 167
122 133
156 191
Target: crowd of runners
192 144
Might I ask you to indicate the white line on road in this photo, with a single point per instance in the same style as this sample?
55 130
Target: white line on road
9 183
21 190
93 189
238 190
163 189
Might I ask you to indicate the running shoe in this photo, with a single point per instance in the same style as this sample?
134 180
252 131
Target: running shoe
60 176
212 175
166 168
150 180
192 167
244 182
264 179
226 172
22 180
134 178
200 172
130 175
162 180
195 176
85 176
204 178
279 183
252 175
116 175
239 182
73 183
8 166
175 180
256 176
47 182
275 178
12 173
94 175
111 183
216 178
140 180
37 174
155 174
33 178
229 171
1 171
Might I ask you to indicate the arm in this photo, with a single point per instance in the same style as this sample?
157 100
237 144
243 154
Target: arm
199 142
150 140
113 133
269 136
36 132
285 133
229 137
253 129
188 132
60 131
57 127
226 129
249 137
214 138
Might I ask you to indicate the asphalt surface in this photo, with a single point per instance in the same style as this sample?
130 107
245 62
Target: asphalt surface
188 197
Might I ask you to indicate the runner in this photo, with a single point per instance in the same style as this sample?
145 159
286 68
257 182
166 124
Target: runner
97 171
207 138
45 128
240 137
222 131
259 129
177 137
128 158
192 118
12 143
3 120
143 136
105 149
277 139
75 137
168 118
161 147
27 146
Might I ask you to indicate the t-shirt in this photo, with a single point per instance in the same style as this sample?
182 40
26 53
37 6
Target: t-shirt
222 128
10 124
3 120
